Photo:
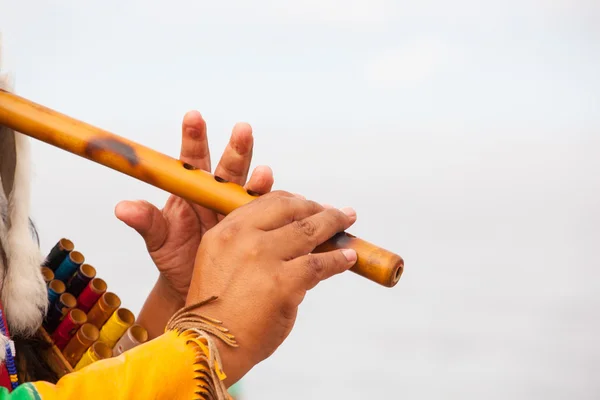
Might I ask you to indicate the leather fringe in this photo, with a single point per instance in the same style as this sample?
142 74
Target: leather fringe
198 330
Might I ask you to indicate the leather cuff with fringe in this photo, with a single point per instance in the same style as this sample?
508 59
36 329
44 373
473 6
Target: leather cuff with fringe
200 332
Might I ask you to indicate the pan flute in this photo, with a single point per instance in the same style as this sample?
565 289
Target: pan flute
85 321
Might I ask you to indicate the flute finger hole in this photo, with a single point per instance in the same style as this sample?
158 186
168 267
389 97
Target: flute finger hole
252 193
221 180
189 166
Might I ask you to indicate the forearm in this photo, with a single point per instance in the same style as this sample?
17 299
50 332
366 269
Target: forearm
158 308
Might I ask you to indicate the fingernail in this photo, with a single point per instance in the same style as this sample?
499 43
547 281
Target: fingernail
264 169
350 255
349 211
124 206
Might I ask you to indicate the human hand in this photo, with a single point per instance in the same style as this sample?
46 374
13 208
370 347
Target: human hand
258 262
172 235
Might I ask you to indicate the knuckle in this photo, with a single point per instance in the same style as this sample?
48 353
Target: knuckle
306 227
280 280
211 235
278 194
276 201
256 248
228 232
278 277
316 268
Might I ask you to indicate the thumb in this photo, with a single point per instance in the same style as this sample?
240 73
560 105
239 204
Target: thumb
146 219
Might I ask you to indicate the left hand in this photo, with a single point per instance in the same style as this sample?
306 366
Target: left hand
173 234
260 264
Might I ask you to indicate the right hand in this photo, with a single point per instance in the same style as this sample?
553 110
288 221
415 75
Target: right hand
172 235
258 261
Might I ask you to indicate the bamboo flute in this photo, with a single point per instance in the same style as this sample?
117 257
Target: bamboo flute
172 175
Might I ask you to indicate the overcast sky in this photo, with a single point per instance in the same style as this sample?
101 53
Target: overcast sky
466 134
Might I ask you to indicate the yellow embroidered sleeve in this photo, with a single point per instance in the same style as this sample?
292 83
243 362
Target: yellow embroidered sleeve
183 364
172 366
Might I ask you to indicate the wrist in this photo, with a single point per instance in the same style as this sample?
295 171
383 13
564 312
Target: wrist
167 294
235 362
161 304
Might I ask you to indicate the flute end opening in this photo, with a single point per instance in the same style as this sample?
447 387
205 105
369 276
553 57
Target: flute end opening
66 244
398 270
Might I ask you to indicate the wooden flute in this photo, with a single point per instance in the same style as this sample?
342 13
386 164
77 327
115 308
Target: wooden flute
172 175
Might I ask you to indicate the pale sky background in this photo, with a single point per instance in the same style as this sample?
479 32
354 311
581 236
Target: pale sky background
466 134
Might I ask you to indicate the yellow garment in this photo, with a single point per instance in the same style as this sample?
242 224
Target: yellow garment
183 363
171 367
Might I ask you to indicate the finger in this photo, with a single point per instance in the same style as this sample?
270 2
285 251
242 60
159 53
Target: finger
146 219
235 161
276 209
261 181
307 271
194 141
195 151
301 237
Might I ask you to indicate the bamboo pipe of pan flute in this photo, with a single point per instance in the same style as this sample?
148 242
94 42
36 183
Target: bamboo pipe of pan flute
167 173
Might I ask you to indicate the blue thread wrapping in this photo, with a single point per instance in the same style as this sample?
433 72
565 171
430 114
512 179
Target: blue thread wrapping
65 270
9 361
52 297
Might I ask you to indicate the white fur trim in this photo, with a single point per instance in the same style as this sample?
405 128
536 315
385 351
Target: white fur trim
24 293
